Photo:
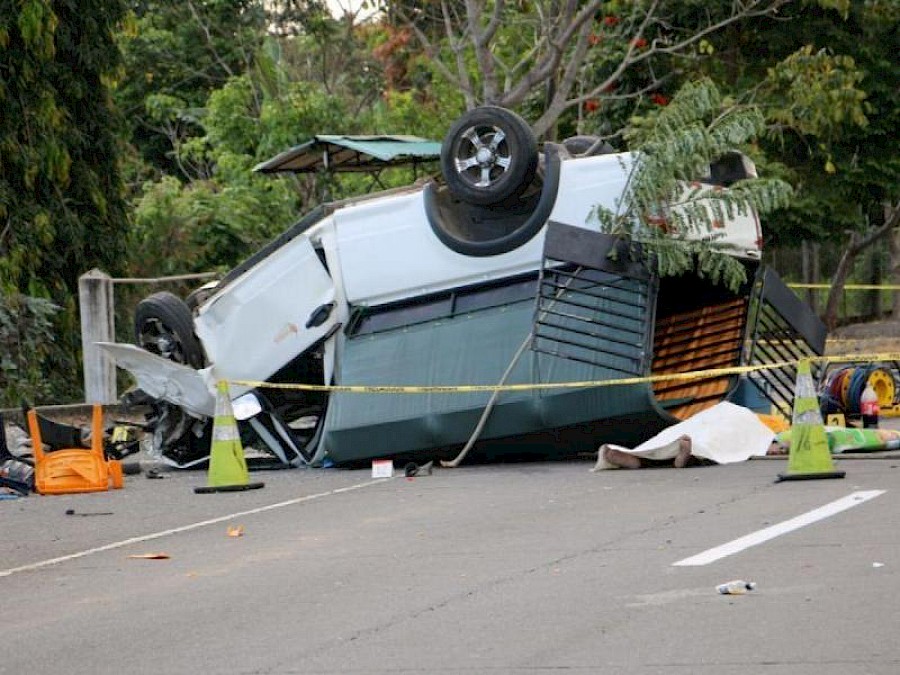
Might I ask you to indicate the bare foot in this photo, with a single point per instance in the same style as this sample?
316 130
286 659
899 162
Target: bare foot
619 458
684 452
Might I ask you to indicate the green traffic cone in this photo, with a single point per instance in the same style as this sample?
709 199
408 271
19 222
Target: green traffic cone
809 456
227 466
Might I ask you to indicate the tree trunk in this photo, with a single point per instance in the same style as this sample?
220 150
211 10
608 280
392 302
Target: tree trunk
816 275
837 283
806 271
856 244
873 297
894 245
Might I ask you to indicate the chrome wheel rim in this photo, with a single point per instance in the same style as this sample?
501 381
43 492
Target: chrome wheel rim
483 156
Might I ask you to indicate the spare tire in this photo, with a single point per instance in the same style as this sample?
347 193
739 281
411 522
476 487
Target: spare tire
587 146
488 156
163 325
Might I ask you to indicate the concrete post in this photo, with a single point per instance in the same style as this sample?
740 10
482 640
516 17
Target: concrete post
97 308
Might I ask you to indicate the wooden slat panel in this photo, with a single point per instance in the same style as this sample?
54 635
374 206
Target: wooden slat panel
695 388
706 338
685 411
702 397
694 314
707 323
724 341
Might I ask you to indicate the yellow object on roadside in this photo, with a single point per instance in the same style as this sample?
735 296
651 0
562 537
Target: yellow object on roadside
776 423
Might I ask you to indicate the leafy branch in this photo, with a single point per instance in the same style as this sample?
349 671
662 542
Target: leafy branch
666 210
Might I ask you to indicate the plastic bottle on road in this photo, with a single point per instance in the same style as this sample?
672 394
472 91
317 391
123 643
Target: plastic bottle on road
868 407
736 587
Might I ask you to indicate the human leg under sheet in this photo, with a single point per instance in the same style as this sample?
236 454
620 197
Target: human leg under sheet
724 433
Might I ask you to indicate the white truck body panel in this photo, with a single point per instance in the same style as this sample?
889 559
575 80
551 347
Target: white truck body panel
257 323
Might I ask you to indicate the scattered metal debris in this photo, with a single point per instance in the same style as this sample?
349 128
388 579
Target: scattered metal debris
412 469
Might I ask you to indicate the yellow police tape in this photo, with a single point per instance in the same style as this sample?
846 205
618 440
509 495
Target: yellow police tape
474 388
852 287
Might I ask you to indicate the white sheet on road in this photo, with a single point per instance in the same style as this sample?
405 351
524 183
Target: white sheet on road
725 433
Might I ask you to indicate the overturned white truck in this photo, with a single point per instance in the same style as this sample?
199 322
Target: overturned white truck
440 284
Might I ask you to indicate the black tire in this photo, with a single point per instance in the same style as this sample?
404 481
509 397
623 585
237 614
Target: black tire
587 146
489 155
163 325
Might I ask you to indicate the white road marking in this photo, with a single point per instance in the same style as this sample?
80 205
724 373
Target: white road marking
183 528
761 536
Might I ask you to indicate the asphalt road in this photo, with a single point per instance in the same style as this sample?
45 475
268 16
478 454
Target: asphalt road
516 568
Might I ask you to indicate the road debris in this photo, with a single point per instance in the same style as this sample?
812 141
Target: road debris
412 469
736 587
382 468
150 556
15 475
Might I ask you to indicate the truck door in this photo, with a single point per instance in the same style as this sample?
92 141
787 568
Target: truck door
268 316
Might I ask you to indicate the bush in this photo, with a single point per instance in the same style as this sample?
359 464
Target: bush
26 341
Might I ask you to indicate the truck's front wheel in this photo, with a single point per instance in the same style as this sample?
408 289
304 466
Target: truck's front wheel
163 326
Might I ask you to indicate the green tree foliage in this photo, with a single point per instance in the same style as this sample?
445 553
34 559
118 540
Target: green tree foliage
672 148
826 77
61 204
26 342
212 210
174 54
177 52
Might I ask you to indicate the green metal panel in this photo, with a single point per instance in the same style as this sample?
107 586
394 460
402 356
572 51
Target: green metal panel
351 153
474 348
387 148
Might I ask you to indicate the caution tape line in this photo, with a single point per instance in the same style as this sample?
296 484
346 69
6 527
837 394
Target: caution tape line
858 358
584 384
831 340
851 287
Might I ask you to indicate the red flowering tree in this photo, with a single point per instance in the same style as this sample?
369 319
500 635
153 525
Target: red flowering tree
563 55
